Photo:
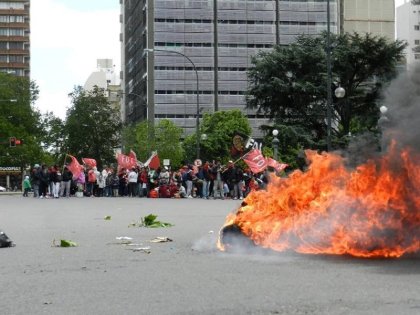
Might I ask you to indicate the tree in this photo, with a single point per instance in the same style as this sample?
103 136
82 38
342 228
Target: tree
219 128
19 118
167 141
289 83
53 136
93 126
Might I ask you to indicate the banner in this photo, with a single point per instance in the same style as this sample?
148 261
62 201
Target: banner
276 165
153 162
256 161
133 155
125 161
74 166
89 162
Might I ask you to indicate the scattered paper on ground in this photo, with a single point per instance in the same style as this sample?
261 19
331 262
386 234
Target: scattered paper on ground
161 239
123 238
145 249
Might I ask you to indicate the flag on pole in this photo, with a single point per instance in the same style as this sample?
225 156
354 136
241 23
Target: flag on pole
153 162
89 162
276 165
125 161
74 166
133 155
256 161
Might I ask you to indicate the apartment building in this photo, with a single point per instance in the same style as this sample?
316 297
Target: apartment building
408 28
167 44
15 37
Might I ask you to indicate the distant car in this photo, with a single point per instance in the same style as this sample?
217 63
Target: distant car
2 188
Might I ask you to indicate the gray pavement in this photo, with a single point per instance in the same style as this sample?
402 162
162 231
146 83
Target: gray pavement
186 276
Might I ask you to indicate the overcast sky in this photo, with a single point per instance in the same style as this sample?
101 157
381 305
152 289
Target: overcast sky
67 36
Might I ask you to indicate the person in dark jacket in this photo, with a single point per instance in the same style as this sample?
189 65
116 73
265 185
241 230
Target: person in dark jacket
67 177
43 181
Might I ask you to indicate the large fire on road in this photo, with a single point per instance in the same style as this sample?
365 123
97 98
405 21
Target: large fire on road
372 210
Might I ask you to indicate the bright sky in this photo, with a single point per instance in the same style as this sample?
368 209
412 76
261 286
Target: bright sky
67 36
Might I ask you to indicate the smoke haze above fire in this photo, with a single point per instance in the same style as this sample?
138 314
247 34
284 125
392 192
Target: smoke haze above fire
402 99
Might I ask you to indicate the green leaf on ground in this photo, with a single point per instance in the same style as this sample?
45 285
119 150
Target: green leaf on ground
150 221
108 217
67 243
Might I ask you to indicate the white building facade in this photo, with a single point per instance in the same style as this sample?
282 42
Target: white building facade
368 16
408 28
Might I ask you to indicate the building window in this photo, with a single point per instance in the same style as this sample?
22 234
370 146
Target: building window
416 27
417 56
417 42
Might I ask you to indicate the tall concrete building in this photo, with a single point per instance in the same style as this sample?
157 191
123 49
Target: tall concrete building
408 28
14 37
165 43
368 16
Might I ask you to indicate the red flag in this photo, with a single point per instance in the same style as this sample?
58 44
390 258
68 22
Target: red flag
125 161
153 162
133 155
89 162
74 166
256 161
276 165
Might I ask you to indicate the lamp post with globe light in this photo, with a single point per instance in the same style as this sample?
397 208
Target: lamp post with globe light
339 92
197 118
275 142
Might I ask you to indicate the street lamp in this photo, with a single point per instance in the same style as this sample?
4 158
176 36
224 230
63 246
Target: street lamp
197 123
275 143
340 92
329 78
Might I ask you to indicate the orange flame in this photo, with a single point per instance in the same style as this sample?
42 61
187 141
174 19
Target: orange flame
372 211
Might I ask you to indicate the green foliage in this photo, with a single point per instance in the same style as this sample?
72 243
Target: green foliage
19 119
219 128
93 126
167 141
67 243
289 84
150 221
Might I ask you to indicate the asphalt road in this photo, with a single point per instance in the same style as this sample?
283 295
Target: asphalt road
186 276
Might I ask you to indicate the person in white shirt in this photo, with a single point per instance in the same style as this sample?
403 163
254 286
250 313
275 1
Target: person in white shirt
132 182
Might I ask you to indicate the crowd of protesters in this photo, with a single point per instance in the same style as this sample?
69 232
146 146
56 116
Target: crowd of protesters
207 180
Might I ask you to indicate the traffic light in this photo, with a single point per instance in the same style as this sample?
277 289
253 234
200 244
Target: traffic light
12 141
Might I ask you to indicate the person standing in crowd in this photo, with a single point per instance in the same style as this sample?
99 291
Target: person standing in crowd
123 176
108 179
91 181
144 182
132 182
43 181
238 184
26 186
115 184
206 178
56 177
35 179
229 176
164 190
216 170
66 182
187 177
100 182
